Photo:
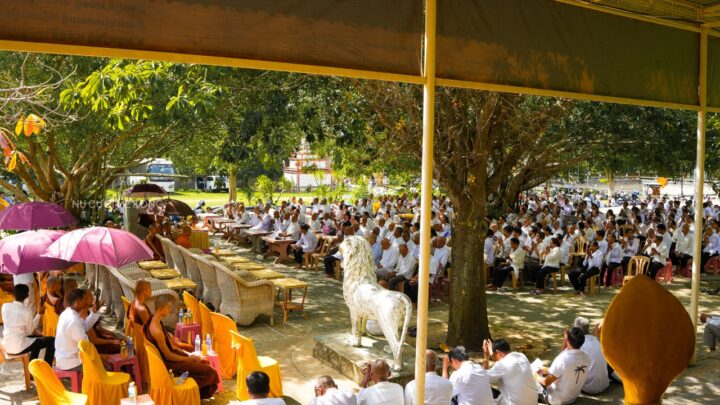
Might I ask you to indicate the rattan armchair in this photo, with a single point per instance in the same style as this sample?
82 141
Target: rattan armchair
243 300
211 290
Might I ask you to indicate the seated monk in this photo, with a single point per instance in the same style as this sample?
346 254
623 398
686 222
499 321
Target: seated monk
175 358
153 243
54 293
140 314
104 340
184 238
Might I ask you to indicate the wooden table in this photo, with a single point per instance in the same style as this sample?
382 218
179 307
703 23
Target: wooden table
285 286
180 284
207 217
200 239
278 247
217 224
267 274
255 235
233 230
152 265
164 274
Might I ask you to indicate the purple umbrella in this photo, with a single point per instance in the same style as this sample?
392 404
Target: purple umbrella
104 246
22 252
35 215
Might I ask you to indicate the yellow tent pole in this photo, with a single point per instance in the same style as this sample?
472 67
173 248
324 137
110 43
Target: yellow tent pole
699 181
426 198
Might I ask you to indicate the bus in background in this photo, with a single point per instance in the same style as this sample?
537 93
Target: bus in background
162 167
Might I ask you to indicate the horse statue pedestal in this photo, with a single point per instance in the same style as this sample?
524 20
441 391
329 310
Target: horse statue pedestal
334 351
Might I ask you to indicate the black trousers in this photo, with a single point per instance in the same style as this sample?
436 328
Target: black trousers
42 342
655 267
299 255
330 260
394 281
625 262
607 272
500 275
544 272
579 277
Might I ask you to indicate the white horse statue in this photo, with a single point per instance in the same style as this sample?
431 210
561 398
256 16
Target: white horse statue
367 300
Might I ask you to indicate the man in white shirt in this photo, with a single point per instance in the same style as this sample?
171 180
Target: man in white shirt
29 280
438 391
471 383
72 331
382 392
389 259
305 244
489 249
684 246
258 387
711 333
590 268
293 229
659 252
20 329
404 269
327 393
566 376
315 224
511 372
598 375
515 263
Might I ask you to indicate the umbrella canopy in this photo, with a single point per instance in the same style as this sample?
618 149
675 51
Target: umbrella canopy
23 252
35 215
167 207
145 190
104 246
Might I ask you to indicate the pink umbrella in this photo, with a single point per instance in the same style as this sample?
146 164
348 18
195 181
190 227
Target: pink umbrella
35 215
22 252
104 246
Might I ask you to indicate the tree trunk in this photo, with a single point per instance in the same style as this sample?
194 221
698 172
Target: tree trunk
232 184
468 323
610 182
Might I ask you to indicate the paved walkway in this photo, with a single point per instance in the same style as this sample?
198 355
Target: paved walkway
532 324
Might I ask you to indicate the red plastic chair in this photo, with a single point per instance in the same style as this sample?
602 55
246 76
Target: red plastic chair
666 273
616 280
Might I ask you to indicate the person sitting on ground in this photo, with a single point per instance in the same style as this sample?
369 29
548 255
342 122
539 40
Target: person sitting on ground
21 332
152 241
258 387
438 391
174 357
389 259
511 372
382 391
71 329
515 262
563 381
403 271
553 255
711 333
327 393
598 375
184 238
471 383
590 268
307 243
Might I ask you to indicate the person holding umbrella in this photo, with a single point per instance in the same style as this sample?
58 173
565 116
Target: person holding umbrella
20 332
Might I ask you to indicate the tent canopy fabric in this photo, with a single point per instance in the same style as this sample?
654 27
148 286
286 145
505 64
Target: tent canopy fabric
635 51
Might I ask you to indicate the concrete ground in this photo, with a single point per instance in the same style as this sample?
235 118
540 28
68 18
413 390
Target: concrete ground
532 324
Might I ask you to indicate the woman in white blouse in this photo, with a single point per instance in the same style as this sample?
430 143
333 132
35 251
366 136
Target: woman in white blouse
551 264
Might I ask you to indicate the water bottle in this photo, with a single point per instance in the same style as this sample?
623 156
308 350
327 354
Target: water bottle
198 345
208 342
131 347
181 316
189 316
132 392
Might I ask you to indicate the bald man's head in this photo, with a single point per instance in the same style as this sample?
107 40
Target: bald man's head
380 371
324 382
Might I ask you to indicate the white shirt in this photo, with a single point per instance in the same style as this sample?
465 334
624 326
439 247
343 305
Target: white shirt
489 250
334 396
382 393
597 379
406 265
571 368
615 254
517 260
307 242
438 391
515 380
264 401
66 342
552 259
19 322
442 255
684 243
389 257
471 385
293 230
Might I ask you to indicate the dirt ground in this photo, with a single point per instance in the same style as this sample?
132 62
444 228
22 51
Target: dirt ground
532 324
